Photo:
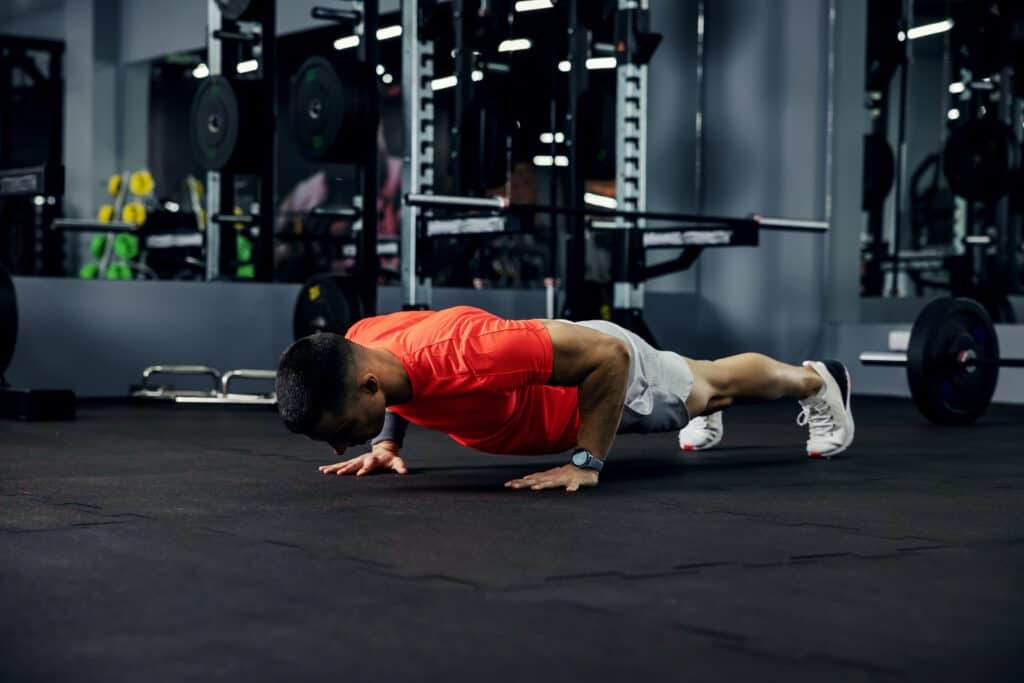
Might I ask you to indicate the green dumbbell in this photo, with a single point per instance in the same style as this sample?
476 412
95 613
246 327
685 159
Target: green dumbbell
126 246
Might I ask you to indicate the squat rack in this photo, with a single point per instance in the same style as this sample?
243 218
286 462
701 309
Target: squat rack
426 215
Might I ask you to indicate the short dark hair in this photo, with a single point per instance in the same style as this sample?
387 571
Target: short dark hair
312 378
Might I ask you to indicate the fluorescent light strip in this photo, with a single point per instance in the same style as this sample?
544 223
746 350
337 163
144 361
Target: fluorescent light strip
548 138
600 200
514 45
546 160
953 114
929 29
388 32
531 5
956 88
248 66
381 70
346 43
388 79
478 76
565 66
596 63
444 82
201 71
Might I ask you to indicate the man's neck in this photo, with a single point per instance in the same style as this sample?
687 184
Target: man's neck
394 381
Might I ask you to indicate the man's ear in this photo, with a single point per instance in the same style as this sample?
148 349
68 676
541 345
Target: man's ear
370 383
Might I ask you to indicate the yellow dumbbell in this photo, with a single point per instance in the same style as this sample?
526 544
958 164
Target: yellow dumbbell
141 183
114 185
134 212
105 214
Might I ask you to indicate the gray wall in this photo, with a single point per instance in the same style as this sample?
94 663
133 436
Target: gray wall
765 152
46 22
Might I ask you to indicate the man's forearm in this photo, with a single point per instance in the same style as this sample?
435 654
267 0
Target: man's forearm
602 396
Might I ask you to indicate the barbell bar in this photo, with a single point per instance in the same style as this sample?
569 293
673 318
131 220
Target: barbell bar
503 205
895 359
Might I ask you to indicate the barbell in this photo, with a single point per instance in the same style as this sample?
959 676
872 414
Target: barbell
952 361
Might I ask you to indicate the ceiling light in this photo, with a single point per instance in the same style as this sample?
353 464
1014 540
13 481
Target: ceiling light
346 43
389 32
444 82
515 45
531 5
595 63
929 29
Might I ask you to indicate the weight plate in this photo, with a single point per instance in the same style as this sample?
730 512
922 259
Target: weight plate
331 111
327 303
214 123
946 391
8 319
879 171
981 160
234 9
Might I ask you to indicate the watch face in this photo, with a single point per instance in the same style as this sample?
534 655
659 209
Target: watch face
579 458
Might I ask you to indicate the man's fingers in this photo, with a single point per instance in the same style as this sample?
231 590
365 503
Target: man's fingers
342 463
573 486
350 467
398 465
343 467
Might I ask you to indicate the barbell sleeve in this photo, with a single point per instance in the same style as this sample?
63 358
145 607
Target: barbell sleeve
883 358
444 201
795 224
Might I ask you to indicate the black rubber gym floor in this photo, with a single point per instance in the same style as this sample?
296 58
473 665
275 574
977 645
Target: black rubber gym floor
149 543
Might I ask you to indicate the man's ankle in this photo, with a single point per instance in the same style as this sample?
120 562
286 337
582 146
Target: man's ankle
814 384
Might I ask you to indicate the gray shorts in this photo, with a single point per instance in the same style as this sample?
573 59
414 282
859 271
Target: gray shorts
659 384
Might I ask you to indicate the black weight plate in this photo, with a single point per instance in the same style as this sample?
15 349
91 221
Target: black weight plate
214 123
981 160
331 111
234 9
945 391
326 303
879 171
8 319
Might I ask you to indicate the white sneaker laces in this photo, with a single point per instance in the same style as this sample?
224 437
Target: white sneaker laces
818 418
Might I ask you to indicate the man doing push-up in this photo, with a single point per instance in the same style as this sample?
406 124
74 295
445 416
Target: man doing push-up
531 387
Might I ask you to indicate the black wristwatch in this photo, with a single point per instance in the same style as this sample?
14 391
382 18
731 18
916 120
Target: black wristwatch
585 460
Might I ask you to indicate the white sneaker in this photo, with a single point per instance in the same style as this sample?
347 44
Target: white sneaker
701 433
828 415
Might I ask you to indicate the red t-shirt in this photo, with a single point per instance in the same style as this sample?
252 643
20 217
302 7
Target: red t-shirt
479 378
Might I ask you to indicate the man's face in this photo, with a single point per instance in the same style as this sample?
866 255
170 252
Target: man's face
359 420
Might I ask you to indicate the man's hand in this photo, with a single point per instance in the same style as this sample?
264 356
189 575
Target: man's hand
384 456
569 476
